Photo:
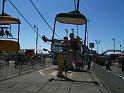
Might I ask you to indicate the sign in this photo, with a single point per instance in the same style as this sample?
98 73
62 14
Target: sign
91 45
29 52
57 47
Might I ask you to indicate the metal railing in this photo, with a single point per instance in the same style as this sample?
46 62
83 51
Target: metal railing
112 81
12 69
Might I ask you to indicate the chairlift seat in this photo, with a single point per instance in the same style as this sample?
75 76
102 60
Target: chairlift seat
9 45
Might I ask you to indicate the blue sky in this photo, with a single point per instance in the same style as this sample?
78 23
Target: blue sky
106 20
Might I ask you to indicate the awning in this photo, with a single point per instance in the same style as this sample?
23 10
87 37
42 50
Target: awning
6 19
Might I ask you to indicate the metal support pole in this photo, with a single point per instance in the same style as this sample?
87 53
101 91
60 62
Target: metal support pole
36 41
53 34
75 4
3 6
85 34
77 29
18 34
54 31
78 4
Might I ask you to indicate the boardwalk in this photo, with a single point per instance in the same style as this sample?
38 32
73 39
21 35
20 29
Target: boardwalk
41 82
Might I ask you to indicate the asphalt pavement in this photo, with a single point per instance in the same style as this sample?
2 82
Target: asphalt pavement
46 81
117 70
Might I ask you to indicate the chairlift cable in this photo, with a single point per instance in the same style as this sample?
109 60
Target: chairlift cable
77 29
75 4
78 2
75 11
42 17
3 6
24 18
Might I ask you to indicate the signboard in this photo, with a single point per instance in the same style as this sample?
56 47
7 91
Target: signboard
57 46
91 45
29 52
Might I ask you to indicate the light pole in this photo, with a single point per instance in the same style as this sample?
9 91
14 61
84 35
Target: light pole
97 43
120 47
114 44
36 37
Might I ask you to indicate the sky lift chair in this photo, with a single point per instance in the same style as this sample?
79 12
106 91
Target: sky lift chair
9 44
74 17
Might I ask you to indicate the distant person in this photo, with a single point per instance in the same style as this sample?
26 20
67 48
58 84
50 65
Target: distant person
7 59
89 63
108 63
122 62
16 62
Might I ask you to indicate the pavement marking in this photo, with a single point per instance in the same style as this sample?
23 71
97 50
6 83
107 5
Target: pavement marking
41 71
53 73
47 68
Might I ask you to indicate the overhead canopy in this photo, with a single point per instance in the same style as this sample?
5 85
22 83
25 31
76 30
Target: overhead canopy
6 19
9 45
74 17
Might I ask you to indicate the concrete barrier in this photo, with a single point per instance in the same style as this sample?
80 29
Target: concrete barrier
112 81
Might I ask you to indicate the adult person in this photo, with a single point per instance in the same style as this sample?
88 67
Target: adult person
75 47
121 58
89 62
108 63
65 45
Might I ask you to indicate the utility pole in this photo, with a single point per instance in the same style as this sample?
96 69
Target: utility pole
36 37
97 43
114 44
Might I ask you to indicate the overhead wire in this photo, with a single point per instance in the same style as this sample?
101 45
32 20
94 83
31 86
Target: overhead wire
25 19
42 17
75 11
